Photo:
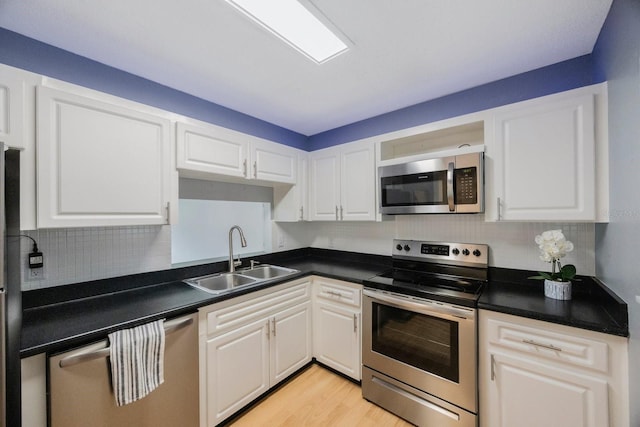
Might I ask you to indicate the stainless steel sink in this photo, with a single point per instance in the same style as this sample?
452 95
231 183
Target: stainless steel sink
217 283
226 282
267 272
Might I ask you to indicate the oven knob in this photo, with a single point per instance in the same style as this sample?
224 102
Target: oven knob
407 248
465 252
476 252
456 251
399 247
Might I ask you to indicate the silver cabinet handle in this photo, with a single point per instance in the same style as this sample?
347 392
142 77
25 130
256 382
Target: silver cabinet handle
255 169
273 323
244 168
301 213
341 216
355 322
450 187
335 294
337 213
493 368
537 344
267 331
499 208
74 359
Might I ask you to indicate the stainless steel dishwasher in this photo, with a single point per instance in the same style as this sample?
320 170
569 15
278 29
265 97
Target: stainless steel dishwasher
81 394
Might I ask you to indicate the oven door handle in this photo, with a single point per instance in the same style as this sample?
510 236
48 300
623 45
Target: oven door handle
450 198
440 311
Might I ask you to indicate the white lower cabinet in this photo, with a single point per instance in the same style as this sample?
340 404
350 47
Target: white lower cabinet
526 393
290 341
534 373
237 369
336 325
250 343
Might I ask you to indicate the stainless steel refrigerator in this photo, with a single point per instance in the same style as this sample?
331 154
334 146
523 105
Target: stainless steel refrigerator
10 292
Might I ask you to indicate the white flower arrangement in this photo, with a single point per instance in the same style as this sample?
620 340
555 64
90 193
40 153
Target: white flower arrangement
553 246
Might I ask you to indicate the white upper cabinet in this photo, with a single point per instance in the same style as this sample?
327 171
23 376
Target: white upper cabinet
200 149
290 203
100 163
324 185
17 130
541 162
342 183
11 108
273 162
357 182
211 152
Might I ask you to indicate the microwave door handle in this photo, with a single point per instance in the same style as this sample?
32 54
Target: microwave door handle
450 200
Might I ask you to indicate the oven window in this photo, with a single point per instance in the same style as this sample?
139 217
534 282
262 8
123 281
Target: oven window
416 189
425 342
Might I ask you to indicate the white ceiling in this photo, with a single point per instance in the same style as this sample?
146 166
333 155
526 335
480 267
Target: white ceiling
404 51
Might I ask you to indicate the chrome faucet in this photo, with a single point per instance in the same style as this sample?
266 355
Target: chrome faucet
233 264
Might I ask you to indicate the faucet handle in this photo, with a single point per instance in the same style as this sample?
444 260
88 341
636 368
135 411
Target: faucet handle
253 263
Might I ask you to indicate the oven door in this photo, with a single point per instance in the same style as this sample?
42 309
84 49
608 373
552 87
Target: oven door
426 344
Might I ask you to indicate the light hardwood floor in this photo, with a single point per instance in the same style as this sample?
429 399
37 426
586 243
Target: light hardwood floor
318 397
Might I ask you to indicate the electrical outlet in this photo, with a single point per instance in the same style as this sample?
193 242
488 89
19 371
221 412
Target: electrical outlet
35 273
281 240
638 299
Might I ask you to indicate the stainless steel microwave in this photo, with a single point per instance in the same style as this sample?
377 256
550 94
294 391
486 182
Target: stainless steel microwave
443 185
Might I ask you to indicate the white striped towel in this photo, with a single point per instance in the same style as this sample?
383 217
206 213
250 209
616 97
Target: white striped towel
137 361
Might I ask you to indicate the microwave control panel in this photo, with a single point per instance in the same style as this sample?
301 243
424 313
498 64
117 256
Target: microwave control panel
466 186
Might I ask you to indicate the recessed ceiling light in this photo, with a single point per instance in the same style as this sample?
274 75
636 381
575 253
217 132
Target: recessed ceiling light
296 25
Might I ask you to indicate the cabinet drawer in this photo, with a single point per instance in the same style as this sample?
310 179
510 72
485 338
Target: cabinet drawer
237 311
550 341
337 291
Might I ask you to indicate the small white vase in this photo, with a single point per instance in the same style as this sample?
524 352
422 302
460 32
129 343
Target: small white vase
557 290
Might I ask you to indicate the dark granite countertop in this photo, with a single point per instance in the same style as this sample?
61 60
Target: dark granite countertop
60 318
593 306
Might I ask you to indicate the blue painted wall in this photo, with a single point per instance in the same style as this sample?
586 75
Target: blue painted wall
26 53
616 58
558 77
31 55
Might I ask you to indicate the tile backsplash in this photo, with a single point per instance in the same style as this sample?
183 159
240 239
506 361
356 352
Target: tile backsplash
511 244
83 254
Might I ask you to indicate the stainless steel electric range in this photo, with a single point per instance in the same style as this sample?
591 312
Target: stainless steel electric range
419 344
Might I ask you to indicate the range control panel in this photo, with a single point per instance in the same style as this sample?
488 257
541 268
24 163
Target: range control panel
442 252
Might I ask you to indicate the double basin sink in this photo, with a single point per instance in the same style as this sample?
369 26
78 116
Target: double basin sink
223 282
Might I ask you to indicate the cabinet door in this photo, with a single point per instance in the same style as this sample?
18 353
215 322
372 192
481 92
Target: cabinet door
273 162
544 161
324 185
336 335
237 369
526 393
290 202
211 150
11 108
100 164
357 183
290 341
